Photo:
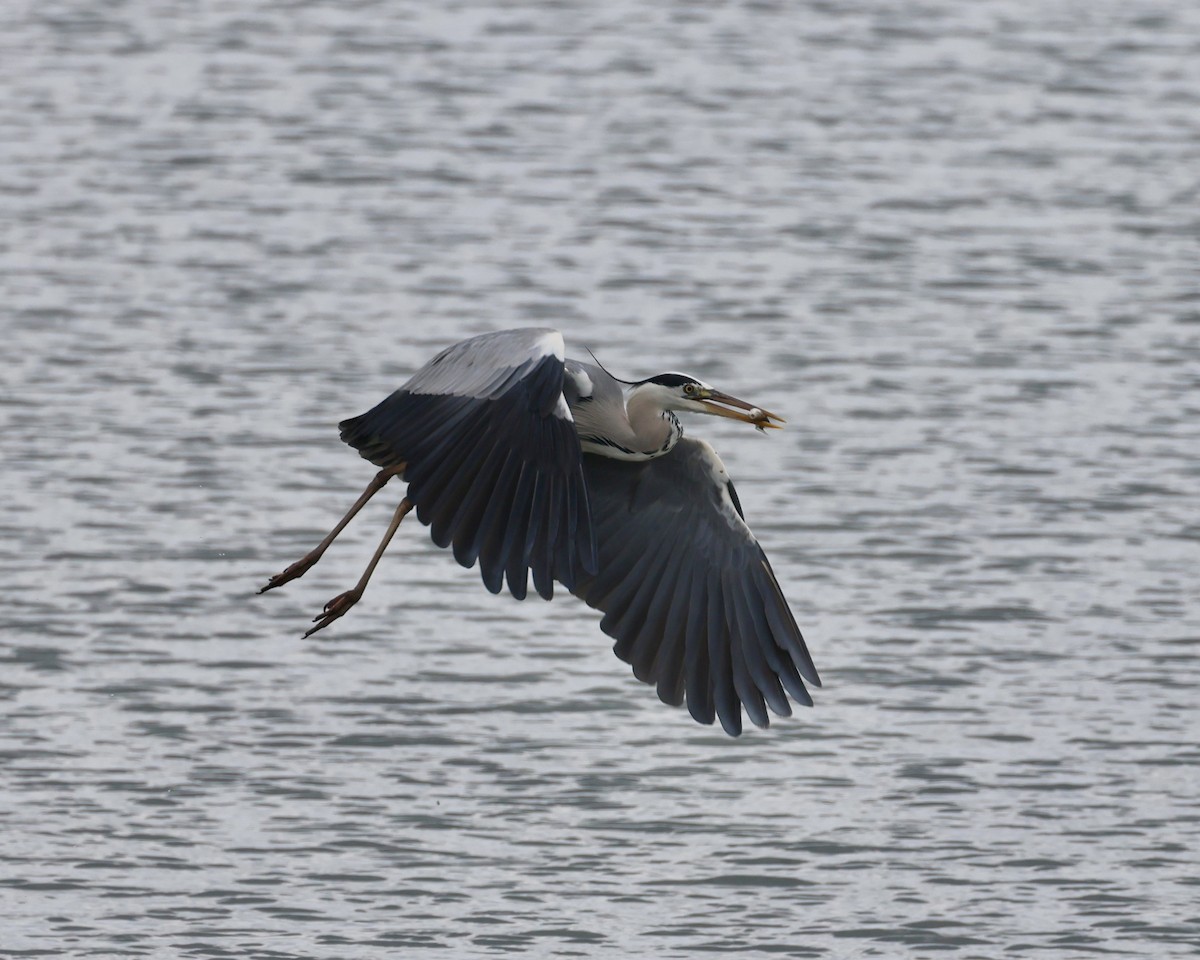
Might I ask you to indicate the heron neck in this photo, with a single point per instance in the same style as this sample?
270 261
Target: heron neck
655 430
625 427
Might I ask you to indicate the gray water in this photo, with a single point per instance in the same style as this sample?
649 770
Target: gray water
955 244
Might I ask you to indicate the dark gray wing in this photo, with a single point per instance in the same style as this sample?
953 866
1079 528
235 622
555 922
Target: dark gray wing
687 592
493 459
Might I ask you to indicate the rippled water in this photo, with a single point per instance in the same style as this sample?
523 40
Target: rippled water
955 243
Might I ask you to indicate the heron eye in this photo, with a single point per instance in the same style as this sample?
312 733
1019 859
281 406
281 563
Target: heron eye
689 389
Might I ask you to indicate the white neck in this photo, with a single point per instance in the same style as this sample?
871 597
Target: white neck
647 430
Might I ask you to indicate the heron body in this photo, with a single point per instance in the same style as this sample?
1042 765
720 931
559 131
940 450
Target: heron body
533 464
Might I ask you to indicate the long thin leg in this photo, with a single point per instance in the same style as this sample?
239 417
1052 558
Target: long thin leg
344 601
301 566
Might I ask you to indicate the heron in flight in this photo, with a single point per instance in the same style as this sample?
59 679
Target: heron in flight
532 463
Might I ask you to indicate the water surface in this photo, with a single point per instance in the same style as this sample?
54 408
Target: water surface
955 244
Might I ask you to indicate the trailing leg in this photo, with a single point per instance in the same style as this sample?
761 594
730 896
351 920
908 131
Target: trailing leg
338 606
301 566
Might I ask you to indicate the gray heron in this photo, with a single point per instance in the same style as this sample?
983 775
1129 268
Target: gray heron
528 462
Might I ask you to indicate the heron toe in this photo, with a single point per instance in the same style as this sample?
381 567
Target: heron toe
293 572
335 608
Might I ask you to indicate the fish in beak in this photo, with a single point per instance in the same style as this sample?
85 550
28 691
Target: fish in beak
723 405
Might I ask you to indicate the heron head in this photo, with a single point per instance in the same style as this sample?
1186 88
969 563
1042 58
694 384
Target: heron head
678 391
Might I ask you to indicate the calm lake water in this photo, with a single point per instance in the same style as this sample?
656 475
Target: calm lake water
955 244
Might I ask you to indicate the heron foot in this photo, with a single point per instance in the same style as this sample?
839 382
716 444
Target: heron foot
294 572
335 608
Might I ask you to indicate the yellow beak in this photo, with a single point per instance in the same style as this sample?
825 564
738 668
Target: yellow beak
723 405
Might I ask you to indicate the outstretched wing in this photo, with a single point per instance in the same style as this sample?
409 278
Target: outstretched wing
492 458
687 592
